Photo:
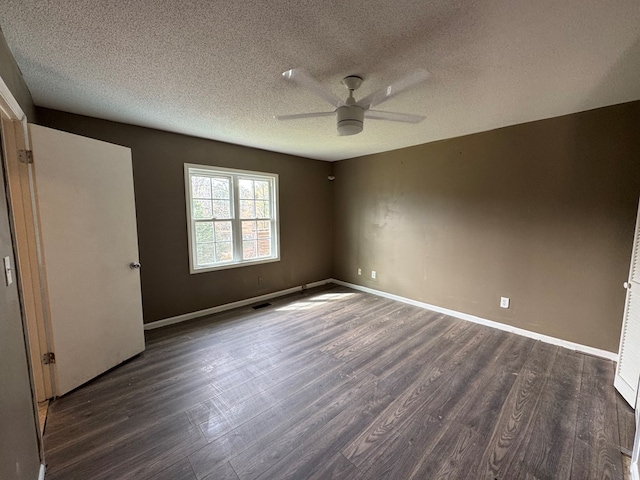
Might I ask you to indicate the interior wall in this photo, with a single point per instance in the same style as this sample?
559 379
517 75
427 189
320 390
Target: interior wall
19 451
158 161
542 213
19 455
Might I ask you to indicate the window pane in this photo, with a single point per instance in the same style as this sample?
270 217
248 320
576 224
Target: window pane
262 209
221 209
201 187
224 252
205 253
249 249
223 231
246 188
247 209
202 209
248 230
262 190
204 232
220 187
264 229
264 248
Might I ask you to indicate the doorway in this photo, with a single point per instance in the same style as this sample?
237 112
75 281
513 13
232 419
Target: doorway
18 178
22 453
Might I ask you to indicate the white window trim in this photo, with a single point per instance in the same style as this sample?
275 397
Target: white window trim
237 240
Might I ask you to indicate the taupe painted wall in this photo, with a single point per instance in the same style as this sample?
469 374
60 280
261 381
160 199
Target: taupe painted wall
19 454
542 213
158 159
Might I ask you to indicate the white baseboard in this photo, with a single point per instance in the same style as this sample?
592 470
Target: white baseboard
41 474
489 323
463 316
229 306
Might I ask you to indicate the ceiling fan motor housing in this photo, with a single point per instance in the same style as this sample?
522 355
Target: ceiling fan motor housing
350 119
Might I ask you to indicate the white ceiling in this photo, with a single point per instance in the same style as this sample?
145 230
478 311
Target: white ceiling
213 68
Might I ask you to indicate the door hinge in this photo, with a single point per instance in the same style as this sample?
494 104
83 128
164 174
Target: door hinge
49 358
25 156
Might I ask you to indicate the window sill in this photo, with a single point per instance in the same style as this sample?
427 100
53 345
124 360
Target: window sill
233 265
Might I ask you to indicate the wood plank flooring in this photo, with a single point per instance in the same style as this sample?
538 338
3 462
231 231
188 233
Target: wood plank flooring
43 408
339 384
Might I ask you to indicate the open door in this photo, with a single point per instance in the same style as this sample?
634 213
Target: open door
628 369
85 202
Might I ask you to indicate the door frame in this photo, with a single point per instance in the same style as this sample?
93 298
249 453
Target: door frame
24 216
13 124
24 221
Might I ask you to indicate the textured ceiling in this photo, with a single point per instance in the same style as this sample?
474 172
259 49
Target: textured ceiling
213 68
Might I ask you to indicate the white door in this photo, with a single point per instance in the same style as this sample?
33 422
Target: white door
628 370
85 201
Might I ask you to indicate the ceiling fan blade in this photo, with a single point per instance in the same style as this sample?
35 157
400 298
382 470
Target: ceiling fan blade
297 116
390 91
303 79
393 116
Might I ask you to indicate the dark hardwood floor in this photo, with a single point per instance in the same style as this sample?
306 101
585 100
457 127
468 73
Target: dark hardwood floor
338 384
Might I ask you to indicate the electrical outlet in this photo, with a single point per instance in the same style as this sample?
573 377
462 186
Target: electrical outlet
359 271
373 274
504 302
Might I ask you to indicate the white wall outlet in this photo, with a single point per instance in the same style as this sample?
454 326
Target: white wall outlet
359 271
504 302
373 274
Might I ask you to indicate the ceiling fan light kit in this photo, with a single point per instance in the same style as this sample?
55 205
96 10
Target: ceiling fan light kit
349 113
350 119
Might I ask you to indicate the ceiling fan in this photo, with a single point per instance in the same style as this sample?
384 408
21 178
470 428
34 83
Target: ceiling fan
350 114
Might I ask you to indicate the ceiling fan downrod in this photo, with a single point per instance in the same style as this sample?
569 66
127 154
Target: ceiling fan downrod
350 115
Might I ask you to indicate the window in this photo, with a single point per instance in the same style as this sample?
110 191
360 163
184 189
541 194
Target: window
233 217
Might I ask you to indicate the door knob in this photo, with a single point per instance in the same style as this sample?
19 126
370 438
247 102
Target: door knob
627 285
134 265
